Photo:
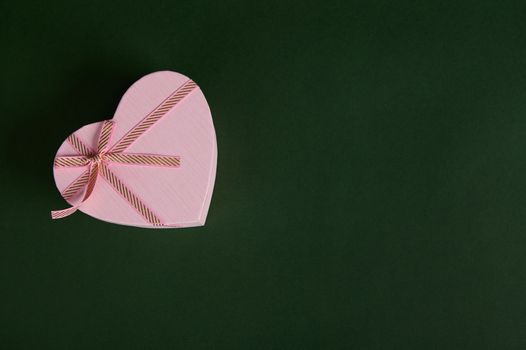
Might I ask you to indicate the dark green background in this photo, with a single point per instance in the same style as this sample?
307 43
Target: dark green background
371 180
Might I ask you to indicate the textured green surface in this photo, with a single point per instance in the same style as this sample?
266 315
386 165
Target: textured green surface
370 190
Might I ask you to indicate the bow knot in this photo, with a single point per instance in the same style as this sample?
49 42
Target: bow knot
97 158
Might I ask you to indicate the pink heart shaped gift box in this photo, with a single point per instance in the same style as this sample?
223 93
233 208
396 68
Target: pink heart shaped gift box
152 165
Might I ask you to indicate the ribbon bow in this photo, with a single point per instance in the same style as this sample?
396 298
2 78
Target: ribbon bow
98 161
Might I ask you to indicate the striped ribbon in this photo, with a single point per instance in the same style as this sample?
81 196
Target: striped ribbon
98 161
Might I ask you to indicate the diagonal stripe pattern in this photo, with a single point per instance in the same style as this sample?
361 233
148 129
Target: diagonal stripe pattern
117 184
79 145
143 159
98 161
154 116
71 161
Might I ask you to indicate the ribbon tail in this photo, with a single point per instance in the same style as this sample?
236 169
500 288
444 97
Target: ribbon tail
92 179
59 214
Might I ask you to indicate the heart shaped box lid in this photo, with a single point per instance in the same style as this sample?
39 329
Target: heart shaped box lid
132 192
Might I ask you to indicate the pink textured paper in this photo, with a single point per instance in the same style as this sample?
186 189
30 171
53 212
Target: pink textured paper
179 196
